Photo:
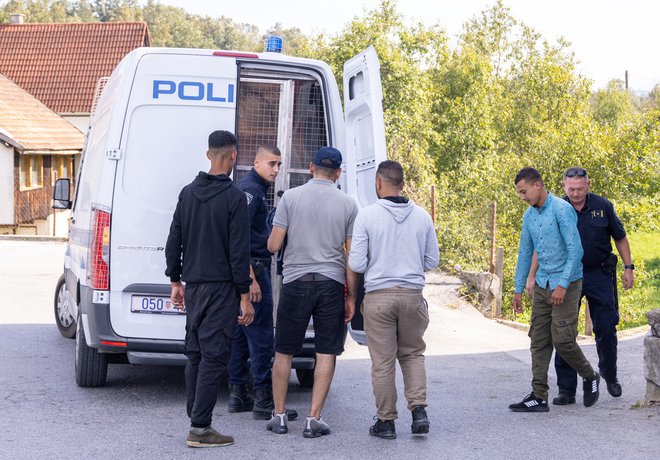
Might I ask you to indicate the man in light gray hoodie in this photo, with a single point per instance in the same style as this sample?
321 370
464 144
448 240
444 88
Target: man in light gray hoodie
394 243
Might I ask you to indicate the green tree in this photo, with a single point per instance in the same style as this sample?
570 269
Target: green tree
613 106
404 53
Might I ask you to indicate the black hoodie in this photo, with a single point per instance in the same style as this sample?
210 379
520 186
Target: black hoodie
210 231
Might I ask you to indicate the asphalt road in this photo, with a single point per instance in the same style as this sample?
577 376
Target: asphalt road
476 367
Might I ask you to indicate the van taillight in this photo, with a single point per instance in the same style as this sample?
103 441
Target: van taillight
100 251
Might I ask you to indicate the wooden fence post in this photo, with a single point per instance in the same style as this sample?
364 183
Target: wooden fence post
433 203
493 228
499 271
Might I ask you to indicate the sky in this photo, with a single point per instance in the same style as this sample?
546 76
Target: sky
607 36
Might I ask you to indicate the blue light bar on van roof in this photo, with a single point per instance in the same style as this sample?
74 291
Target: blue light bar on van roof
273 44
237 55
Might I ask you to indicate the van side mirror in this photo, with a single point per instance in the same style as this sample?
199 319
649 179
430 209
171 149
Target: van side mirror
62 194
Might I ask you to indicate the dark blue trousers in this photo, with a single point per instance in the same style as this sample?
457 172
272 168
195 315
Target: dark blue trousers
211 312
598 288
254 342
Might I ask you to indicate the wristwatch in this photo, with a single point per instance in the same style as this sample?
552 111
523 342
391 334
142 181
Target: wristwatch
629 267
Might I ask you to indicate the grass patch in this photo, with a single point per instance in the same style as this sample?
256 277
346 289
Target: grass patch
646 247
645 295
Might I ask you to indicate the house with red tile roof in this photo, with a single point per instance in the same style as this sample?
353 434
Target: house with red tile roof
37 147
61 64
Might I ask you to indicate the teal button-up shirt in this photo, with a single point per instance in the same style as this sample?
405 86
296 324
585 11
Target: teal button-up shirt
552 232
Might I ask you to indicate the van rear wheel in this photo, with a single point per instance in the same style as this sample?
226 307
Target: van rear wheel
91 366
305 377
64 319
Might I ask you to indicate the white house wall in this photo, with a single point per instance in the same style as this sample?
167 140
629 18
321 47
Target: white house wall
6 185
79 121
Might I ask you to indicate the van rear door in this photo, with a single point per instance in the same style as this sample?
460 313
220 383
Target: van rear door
176 100
365 141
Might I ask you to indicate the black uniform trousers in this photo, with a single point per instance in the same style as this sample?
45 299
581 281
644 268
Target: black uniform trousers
211 315
598 288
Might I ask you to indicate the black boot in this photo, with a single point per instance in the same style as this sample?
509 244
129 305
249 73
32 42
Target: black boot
239 398
264 406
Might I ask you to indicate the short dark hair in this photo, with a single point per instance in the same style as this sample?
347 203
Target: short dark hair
326 173
271 148
391 171
221 139
529 175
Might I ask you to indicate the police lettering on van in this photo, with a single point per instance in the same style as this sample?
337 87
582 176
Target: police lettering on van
194 90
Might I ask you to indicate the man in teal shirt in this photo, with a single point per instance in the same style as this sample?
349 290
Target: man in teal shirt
550 229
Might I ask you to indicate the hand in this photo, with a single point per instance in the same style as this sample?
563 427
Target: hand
349 310
255 292
178 295
529 286
517 303
246 315
557 297
628 279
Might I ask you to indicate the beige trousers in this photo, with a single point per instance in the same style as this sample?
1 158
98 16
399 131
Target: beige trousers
395 321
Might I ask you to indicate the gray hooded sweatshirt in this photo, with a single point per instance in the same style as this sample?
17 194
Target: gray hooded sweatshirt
393 245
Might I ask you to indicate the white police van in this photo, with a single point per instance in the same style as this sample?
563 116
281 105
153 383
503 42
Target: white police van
147 139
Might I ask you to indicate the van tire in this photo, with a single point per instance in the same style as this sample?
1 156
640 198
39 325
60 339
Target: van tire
305 377
91 366
64 319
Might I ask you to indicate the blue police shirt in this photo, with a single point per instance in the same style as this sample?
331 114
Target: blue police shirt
597 222
552 232
255 189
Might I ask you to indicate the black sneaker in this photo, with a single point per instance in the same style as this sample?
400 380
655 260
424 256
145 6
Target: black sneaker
383 429
590 387
564 399
530 404
614 388
420 423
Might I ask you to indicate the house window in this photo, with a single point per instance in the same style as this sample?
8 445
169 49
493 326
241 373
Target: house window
62 167
31 171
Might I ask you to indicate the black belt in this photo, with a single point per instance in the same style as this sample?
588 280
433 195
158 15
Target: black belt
314 277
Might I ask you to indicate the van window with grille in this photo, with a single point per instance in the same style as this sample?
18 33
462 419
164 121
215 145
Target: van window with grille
287 112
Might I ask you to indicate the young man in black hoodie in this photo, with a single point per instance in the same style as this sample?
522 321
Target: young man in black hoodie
209 233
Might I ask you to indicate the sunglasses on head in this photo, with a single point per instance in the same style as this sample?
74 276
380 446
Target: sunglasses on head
573 172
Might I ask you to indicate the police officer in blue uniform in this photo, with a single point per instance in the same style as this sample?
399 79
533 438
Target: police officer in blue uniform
252 347
597 223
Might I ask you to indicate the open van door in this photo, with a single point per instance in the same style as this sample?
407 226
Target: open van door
365 143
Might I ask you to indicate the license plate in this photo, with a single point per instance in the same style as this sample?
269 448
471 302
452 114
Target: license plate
153 304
